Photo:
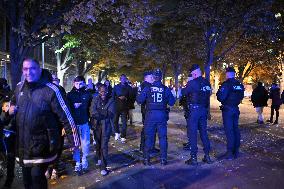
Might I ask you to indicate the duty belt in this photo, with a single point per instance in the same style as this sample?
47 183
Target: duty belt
196 106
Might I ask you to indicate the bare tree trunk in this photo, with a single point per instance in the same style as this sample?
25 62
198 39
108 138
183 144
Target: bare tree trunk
17 55
176 74
282 76
164 70
216 81
210 57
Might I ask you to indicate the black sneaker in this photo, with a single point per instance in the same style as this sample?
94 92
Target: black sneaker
154 151
77 173
207 159
192 161
84 171
187 146
164 162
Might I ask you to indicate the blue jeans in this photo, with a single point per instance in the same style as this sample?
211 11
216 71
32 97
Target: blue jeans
197 120
231 122
84 132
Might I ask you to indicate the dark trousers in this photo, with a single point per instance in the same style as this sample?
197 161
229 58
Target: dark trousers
123 115
55 165
10 166
102 132
188 130
276 109
34 177
150 129
197 120
10 147
142 140
231 125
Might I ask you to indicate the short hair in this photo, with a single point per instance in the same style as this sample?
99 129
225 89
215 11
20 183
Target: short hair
31 60
4 100
122 75
102 86
79 78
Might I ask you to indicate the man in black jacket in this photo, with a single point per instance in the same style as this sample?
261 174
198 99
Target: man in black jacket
102 112
121 95
276 102
40 110
259 99
80 101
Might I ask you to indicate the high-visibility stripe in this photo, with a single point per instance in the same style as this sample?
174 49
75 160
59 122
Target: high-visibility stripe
67 112
37 161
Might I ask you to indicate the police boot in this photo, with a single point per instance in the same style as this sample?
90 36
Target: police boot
192 160
146 162
207 159
186 146
236 154
229 156
164 162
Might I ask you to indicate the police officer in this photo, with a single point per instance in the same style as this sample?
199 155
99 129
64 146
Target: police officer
157 97
183 103
148 80
198 92
230 94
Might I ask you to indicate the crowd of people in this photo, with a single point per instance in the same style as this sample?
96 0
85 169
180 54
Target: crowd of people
37 116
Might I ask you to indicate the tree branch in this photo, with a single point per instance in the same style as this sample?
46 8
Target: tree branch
222 55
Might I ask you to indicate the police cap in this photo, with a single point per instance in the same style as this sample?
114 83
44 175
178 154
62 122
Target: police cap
230 69
194 67
157 73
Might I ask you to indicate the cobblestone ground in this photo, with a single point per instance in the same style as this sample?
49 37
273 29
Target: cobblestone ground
261 163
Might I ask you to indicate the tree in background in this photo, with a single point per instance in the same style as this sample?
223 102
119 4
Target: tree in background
33 22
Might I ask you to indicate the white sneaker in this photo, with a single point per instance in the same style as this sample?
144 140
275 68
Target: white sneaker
99 162
123 140
117 136
54 175
104 172
47 175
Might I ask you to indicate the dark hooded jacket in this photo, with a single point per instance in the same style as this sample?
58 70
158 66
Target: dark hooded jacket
102 113
80 114
41 113
275 96
259 96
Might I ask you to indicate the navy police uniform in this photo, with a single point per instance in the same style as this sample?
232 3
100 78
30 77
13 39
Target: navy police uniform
198 93
230 94
157 97
143 112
